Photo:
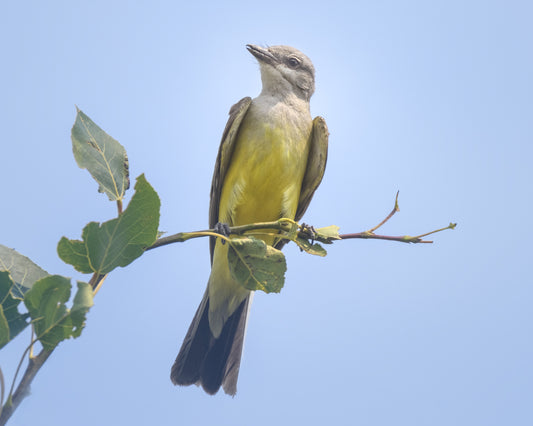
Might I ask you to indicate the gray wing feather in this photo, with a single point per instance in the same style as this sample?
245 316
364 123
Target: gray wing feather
316 165
225 151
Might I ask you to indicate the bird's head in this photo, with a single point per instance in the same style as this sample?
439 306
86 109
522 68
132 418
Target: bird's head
285 70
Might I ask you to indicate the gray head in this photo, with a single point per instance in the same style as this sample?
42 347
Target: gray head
285 70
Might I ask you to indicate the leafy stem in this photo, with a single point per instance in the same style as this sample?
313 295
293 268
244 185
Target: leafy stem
291 230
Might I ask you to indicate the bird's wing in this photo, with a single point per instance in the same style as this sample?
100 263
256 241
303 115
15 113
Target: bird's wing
225 152
316 164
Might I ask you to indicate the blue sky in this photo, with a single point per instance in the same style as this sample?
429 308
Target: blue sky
430 98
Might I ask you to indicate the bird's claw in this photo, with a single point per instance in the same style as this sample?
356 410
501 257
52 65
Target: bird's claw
222 229
310 229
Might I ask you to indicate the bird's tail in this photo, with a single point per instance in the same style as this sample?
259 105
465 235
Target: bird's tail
208 361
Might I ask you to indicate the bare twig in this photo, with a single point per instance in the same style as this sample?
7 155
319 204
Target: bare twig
402 239
367 235
394 210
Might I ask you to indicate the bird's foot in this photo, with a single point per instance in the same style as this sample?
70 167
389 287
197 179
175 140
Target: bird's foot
309 230
222 229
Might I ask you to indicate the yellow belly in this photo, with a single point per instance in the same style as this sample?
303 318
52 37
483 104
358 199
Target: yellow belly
264 180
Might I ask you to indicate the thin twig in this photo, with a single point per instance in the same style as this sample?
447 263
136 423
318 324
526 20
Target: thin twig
402 239
30 347
394 210
450 226
367 235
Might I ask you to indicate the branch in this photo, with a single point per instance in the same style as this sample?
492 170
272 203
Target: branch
283 228
23 388
283 224
35 363
293 230
402 239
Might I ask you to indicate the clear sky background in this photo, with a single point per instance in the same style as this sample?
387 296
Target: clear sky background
430 98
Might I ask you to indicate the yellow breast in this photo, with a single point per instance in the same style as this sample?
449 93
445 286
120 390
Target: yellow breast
265 176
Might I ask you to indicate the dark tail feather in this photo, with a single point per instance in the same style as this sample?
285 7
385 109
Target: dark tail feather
210 362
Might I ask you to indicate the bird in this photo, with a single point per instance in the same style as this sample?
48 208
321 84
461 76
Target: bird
271 160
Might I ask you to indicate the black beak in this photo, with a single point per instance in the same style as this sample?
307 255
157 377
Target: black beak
261 54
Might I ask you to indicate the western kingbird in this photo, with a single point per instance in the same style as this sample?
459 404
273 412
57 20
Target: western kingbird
270 162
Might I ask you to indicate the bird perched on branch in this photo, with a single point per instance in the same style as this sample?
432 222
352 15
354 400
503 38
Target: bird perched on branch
270 162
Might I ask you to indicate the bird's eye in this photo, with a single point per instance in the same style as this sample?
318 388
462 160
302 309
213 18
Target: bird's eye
293 62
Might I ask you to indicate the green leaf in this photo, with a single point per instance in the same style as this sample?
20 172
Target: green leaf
256 265
23 271
314 248
328 233
117 242
104 157
12 322
52 321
